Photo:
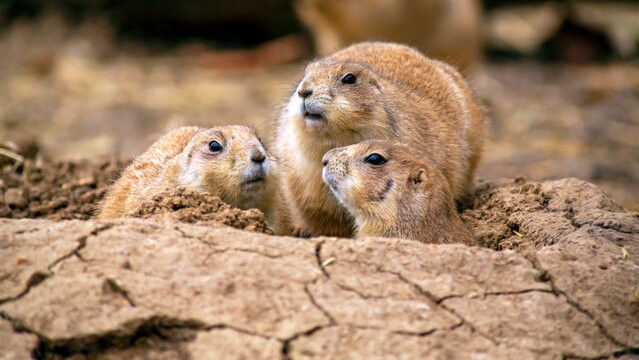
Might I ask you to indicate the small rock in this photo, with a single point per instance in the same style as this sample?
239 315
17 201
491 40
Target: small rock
79 191
57 203
88 179
15 198
5 211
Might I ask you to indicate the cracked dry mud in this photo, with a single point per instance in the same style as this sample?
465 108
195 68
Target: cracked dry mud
557 277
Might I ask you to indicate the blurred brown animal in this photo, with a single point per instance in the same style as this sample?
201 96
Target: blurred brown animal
373 91
394 191
448 30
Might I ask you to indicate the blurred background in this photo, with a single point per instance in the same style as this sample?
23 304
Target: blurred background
104 78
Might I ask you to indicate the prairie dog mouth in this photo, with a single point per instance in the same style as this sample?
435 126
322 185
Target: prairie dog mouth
255 180
330 179
313 116
333 183
254 175
312 111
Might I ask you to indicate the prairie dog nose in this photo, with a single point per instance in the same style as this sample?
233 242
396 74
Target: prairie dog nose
257 155
327 157
305 92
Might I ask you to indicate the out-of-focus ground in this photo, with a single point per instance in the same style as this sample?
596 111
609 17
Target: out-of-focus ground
79 93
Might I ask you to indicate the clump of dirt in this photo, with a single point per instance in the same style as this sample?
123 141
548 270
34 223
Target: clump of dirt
35 188
488 215
525 215
190 206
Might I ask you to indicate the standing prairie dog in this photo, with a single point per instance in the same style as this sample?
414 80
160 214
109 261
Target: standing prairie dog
368 91
393 191
225 161
448 30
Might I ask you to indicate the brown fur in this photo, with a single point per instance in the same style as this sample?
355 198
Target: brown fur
182 158
399 95
448 30
406 197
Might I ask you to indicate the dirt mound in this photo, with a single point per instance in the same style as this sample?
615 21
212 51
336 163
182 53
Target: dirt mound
57 191
564 286
522 215
190 206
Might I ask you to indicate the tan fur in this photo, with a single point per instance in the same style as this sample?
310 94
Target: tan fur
448 30
182 158
406 197
399 95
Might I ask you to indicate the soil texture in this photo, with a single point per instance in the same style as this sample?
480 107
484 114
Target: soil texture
556 278
191 206
54 190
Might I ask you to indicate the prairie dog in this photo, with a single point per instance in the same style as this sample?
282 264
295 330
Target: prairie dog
448 30
393 191
226 161
367 91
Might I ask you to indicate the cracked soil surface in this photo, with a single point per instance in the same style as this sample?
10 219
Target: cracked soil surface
557 277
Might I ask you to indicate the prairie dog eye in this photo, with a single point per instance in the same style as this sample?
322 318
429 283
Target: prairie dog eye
375 159
215 146
349 79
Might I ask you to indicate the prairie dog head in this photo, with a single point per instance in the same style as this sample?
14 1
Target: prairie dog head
339 103
229 162
390 189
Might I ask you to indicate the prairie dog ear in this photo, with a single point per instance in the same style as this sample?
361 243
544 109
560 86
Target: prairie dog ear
418 177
